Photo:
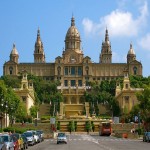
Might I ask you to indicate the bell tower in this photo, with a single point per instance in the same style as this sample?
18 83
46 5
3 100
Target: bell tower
106 53
39 56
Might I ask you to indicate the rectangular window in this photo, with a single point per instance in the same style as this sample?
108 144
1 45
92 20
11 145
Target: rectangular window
73 82
79 71
79 82
72 70
66 82
66 70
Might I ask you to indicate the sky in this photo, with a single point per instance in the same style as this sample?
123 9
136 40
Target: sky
127 21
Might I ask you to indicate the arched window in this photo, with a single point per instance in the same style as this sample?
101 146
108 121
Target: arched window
59 70
87 70
127 86
135 70
24 86
10 70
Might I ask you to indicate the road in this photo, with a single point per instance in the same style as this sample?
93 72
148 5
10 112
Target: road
87 142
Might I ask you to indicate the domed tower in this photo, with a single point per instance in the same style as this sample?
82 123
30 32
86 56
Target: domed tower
131 54
106 53
39 56
14 56
72 40
72 52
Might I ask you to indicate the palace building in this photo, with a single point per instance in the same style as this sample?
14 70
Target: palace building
73 69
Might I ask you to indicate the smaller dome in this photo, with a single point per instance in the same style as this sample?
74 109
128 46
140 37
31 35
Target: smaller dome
14 50
131 50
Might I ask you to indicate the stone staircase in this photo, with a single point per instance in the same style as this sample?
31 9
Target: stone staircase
44 110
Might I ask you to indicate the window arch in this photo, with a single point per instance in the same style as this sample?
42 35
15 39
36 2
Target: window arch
10 70
135 70
87 70
127 86
58 70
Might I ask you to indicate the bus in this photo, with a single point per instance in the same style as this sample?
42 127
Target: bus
105 128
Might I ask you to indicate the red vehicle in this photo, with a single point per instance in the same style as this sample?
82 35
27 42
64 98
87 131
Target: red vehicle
105 128
16 143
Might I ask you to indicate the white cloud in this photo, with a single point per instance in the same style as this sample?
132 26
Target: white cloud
89 26
145 42
118 22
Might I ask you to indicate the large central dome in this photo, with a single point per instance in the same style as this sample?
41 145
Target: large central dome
72 40
72 31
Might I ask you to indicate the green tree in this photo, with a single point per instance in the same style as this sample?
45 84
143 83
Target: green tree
11 81
88 126
12 102
71 126
21 112
144 103
33 111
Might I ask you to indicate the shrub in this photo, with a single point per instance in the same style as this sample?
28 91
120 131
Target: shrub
13 130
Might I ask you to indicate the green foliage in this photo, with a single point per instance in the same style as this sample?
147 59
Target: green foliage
21 112
46 91
103 93
139 81
88 126
14 130
144 103
45 118
33 111
75 125
58 125
9 101
11 81
71 126
92 126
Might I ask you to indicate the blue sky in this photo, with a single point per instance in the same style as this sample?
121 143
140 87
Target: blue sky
126 20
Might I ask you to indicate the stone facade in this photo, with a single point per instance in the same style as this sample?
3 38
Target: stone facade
126 96
26 92
73 69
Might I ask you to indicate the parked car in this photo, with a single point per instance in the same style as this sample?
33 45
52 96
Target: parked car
16 143
20 140
2 144
36 136
30 138
25 141
41 133
61 138
8 141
